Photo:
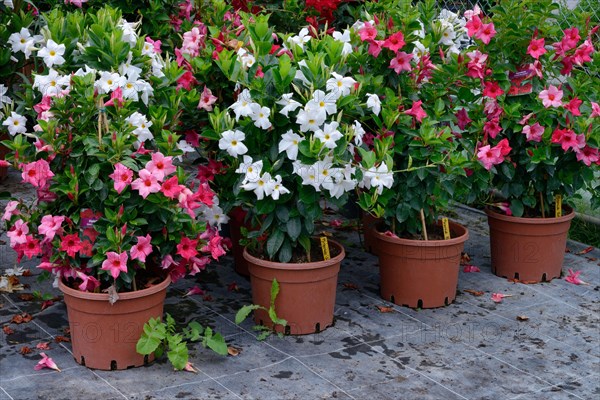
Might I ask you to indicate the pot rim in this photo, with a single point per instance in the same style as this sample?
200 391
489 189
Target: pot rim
429 243
298 266
122 296
533 221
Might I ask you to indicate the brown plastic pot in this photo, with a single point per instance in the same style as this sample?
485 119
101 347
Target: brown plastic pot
236 221
419 273
306 297
528 249
369 222
104 336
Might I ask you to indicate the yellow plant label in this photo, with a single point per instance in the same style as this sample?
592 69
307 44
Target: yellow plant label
325 248
446 227
558 205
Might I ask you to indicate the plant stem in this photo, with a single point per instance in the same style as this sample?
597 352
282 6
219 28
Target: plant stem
542 204
423 225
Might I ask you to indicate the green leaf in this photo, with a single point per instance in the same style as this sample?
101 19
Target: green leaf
294 228
274 243
243 312
178 355
217 343
516 207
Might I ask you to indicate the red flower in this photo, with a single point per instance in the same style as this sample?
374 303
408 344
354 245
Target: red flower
187 248
417 111
71 244
492 89
394 42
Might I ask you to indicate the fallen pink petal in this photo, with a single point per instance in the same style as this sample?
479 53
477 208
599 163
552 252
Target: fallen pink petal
190 368
573 278
471 268
498 297
194 290
46 362
43 346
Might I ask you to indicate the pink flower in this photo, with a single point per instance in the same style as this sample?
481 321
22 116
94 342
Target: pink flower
88 284
573 106
476 64
551 97
471 268
121 176
215 247
37 173
401 62
497 297
198 264
46 362
588 155
417 111
570 39
76 3
193 291
187 248
207 99
486 32
115 263
146 183
50 226
155 43
142 248
583 52
160 166
394 42
473 25
31 248
492 89
503 206
71 244
489 156
504 147
573 278
462 118
534 132
595 110
18 233
116 98
10 210
171 188
390 234
186 81
492 128
568 139
375 47
536 48
368 32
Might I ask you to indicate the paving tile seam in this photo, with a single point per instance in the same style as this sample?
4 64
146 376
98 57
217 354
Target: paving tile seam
558 385
208 378
582 310
247 370
6 393
377 383
325 379
38 374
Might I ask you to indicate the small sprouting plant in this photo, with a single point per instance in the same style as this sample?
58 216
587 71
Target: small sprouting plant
159 336
265 331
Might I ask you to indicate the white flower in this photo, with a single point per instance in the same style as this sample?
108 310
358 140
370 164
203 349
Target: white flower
51 84
246 58
157 67
22 41
322 103
343 181
9 4
52 53
419 51
4 99
300 75
250 169
448 35
421 32
86 71
15 123
148 50
344 38
109 81
232 142
260 116
308 173
324 173
340 85
329 135
289 143
131 71
309 120
378 178
359 132
262 187
215 216
145 90
277 188
243 106
288 104
300 39
184 146
374 103
141 125
129 34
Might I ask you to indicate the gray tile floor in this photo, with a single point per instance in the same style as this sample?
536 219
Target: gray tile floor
472 349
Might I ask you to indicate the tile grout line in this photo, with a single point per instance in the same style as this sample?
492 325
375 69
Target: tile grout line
174 386
6 393
557 385
246 370
38 374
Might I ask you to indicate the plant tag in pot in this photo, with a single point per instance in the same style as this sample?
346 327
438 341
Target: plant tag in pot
517 85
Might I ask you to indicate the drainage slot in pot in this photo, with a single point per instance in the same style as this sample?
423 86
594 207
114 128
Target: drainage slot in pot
82 361
446 302
288 330
261 322
146 359
113 365
544 278
392 299
516 275
130 366
318 327
420 303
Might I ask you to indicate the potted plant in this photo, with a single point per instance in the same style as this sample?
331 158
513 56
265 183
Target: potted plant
289 146
414 162
534 129
115 219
